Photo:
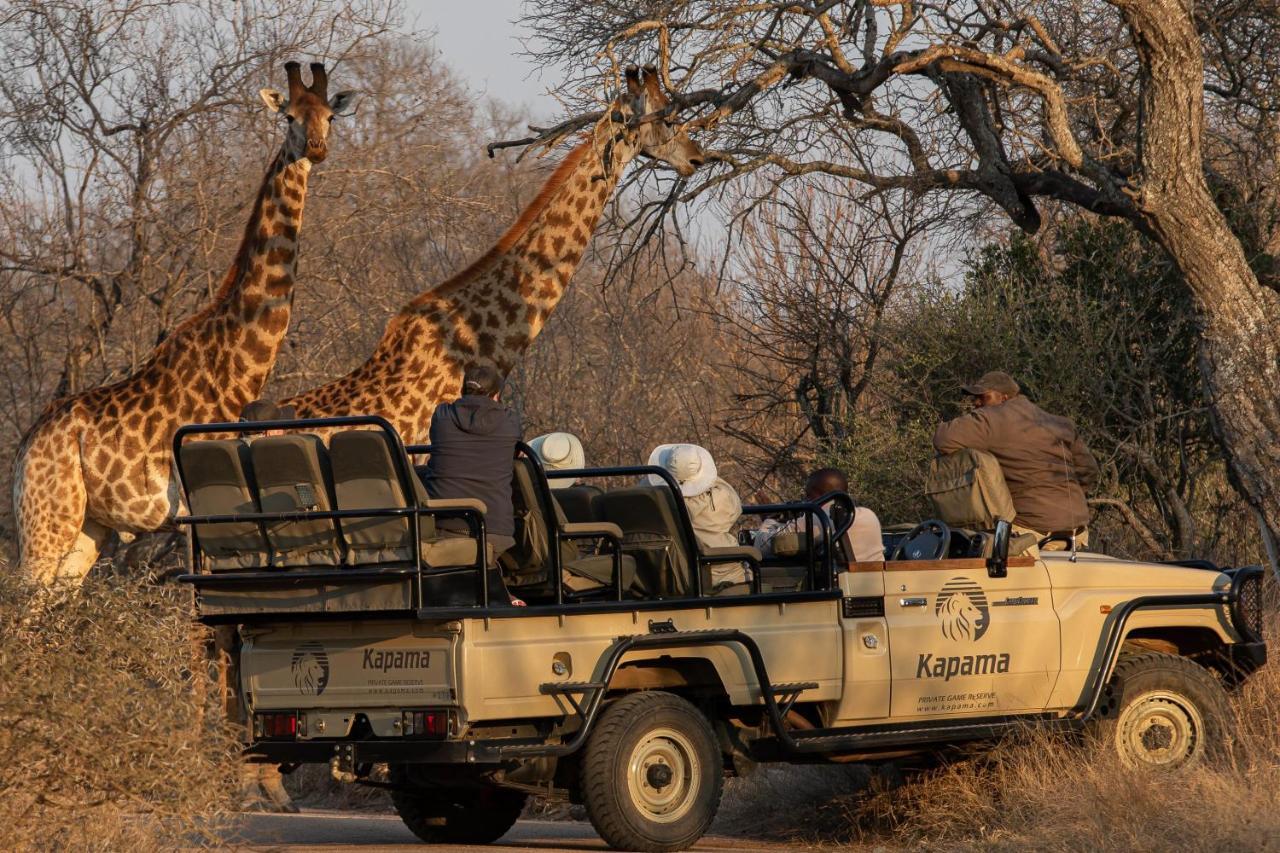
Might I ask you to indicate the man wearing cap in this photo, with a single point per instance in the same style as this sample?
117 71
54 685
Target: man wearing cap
714 507
265 410
1045 464
473 442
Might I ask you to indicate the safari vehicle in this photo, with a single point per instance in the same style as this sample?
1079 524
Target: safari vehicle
630 685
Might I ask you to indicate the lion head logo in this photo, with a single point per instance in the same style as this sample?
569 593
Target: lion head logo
961 609
310 667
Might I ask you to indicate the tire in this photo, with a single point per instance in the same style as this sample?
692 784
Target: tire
444 816
1164 711
632 801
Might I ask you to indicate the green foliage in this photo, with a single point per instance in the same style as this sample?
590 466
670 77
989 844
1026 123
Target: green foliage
1096 326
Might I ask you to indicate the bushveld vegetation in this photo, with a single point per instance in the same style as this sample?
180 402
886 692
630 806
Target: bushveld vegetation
829 326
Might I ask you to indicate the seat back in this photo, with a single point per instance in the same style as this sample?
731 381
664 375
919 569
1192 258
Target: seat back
215 482
292 476
365 477
529 561
653 535
579 502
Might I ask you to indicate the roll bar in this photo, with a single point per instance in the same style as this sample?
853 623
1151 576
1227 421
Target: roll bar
399 459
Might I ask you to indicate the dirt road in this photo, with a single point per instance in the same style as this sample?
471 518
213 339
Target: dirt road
314 831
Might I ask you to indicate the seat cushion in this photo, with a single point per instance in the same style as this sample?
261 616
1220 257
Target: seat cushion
449 551
596 571
789 543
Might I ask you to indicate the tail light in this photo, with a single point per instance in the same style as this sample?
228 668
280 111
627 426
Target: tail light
425 723
277 724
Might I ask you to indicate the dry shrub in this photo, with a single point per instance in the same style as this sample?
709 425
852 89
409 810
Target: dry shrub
105 743
1045 793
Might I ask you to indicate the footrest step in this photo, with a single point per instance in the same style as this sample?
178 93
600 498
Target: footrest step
794 687
570 687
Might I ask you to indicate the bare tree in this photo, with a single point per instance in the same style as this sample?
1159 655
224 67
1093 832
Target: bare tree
131 155
1101 105
818 268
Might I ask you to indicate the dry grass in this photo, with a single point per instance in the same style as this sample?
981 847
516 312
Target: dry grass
1042 793
104 741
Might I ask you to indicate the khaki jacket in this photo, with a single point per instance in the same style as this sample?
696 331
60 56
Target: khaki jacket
1045 464
715 514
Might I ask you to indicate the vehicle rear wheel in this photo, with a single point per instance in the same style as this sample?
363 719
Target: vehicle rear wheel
1165 711
652 773
445 816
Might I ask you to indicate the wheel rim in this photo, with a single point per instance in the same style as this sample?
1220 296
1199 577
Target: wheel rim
663 775
1160 729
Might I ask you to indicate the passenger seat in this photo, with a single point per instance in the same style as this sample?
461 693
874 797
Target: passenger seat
579 502
291 473
581 573
213 478
652 535
365 477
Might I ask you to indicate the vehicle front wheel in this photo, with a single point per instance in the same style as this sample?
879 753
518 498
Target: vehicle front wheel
444 816
1164 711
652 773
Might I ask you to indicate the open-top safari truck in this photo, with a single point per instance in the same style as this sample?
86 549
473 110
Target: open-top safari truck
628 683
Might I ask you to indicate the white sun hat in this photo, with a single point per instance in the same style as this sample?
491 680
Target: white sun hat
691 465
559 451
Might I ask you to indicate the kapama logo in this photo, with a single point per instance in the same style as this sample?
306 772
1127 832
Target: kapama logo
962 610
310 666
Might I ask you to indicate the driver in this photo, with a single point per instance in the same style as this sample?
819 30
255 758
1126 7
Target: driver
864 534
1045 464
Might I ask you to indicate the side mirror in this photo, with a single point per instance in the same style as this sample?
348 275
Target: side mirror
998 562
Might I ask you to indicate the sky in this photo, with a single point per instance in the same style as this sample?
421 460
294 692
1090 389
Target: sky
479 40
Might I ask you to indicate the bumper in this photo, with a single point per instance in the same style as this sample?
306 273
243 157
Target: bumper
1247 658
352 752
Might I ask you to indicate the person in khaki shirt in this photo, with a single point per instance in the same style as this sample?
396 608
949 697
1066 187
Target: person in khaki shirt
1046 465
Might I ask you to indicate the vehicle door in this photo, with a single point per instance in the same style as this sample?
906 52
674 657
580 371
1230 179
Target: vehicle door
965 643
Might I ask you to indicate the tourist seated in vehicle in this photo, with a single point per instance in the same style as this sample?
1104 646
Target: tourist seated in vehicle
265 410
1045 464
473 443
863 538
559 451
714 507
562 451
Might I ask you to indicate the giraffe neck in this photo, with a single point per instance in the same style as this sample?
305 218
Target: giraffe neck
496 307
234 341
490 311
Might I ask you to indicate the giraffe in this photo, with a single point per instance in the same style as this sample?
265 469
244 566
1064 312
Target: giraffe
101 460
492 310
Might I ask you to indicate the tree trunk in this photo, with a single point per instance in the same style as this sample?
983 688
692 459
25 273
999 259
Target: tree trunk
1237 316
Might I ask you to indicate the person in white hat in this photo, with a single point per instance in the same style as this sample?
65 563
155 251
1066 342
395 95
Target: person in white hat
559 451
714 506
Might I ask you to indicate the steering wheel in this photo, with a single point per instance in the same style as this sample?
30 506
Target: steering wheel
928 540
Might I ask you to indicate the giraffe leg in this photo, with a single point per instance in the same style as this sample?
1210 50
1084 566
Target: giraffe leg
57 543
80 557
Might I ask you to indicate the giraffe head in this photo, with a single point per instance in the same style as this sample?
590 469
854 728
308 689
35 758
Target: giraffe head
308 109
660 137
